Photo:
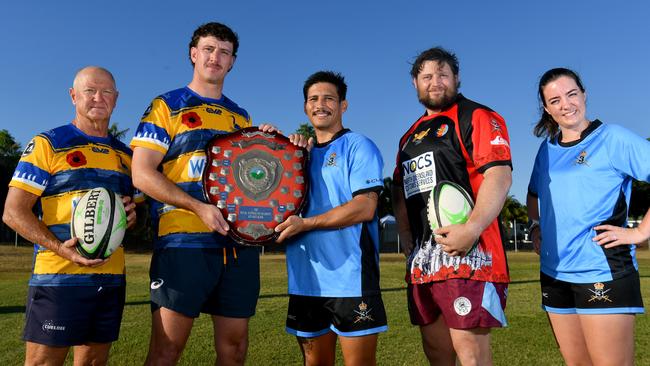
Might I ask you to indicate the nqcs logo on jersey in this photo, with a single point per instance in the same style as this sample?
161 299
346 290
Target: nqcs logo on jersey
418 163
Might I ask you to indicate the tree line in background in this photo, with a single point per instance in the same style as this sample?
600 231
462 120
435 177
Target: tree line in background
10 152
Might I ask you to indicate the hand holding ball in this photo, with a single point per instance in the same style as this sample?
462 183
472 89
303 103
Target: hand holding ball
99 222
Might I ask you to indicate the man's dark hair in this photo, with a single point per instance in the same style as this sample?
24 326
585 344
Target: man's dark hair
217 30
438 54
326 77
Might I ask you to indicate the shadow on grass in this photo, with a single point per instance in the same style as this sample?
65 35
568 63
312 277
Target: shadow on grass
21 309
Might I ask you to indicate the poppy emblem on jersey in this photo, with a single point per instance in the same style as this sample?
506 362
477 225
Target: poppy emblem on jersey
582 158
331 160
462 306
76 159
442 130
191 119
599 293
417 138
363 314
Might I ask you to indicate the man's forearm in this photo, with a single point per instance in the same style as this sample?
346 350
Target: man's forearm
27 225
156 185
401 218
491 197
360 208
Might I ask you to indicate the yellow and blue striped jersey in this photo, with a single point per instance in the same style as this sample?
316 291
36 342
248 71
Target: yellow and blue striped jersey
59 166
179 124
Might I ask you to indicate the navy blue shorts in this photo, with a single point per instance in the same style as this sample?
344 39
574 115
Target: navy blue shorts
310 316
64 316
191 281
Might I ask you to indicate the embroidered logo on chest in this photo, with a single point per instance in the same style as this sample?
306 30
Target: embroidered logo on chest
582 159
442 130
417 137
331 160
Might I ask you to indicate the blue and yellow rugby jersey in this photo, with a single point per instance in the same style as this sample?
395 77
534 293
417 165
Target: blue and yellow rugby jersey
59 166
179 124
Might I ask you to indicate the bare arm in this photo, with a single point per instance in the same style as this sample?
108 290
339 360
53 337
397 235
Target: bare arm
533 214
360 208
149 180
615 235
18 215
458 239
401 217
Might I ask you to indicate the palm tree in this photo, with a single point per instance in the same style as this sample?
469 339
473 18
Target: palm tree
115 131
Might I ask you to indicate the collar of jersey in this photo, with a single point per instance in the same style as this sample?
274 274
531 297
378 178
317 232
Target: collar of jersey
583 135
336 136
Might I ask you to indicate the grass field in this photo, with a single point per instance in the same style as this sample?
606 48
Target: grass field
526 341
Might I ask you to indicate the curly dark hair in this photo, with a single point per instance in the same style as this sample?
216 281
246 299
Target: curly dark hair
218 31
438 54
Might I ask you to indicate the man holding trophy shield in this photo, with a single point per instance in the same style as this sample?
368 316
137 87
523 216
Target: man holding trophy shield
196 268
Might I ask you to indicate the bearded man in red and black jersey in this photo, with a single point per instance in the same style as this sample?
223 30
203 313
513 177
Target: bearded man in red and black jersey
455 295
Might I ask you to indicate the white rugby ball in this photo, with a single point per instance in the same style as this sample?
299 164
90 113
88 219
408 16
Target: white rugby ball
449 204
99 223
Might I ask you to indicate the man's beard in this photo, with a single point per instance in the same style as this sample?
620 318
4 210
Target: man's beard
442 103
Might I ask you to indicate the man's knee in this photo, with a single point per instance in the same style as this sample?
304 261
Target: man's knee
163 351
232 348
234 354
164 355
472 346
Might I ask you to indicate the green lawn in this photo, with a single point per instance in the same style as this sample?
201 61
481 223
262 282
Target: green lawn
526 341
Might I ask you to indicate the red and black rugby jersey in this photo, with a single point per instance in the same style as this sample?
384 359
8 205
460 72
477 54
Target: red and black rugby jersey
457 145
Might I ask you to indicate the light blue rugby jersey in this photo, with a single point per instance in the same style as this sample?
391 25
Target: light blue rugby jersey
338 262
581 185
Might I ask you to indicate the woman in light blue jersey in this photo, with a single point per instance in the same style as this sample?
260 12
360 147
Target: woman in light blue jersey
578 198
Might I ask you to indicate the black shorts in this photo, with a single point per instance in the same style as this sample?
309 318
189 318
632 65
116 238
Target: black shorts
64 316
620 296
311 317
221 281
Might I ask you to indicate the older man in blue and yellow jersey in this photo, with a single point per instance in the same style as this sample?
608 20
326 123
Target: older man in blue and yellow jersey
72 301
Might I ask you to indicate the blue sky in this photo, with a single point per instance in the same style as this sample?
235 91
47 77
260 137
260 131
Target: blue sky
503 48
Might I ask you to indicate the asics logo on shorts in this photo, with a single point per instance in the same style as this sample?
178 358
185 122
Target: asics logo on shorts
155 284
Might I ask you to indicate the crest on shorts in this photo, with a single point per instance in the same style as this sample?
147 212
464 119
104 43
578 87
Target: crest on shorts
462 306
363 314
599 293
